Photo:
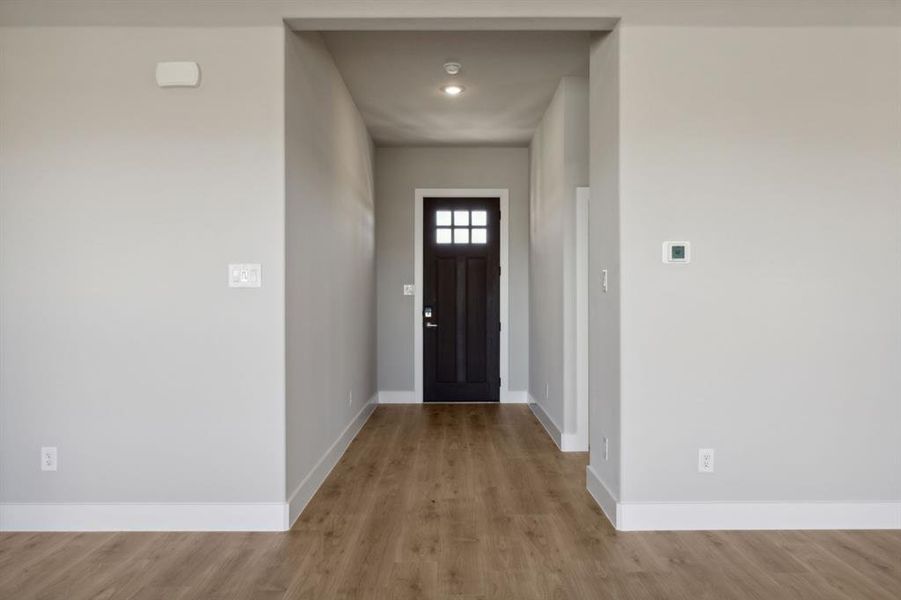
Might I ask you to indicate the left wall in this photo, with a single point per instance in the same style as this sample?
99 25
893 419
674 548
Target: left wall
121 205
330 275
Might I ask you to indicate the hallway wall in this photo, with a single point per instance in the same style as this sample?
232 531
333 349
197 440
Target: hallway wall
559 164
604 386
121 206
330 266
399 171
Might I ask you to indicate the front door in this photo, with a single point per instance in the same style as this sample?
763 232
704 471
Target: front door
461 300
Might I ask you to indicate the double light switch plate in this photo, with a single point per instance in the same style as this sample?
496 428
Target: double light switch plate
245 276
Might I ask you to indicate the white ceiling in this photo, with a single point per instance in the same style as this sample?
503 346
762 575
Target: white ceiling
510 77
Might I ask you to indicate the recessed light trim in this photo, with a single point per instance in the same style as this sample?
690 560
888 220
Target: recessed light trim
453 89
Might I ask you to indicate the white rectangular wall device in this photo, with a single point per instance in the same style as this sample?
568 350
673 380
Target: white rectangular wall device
177 74
245 276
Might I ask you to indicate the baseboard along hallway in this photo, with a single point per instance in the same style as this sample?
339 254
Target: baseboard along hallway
453 501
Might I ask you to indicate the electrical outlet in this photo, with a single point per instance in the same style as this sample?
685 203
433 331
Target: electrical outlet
705 460
49 460
547 391
350 398
604 283
606 449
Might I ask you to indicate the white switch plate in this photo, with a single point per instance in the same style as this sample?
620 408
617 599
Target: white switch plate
604 282
247 275
705 460
49 458
409 289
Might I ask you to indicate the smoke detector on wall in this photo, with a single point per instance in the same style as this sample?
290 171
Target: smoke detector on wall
452 67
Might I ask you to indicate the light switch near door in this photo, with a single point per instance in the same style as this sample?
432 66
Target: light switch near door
409 289
247 275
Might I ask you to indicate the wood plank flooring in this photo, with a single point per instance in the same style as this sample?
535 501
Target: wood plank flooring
453 501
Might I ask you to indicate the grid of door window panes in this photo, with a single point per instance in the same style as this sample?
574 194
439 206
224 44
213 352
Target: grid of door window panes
461 227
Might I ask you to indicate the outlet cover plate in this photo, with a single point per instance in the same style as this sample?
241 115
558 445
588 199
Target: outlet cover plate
49 458
705 460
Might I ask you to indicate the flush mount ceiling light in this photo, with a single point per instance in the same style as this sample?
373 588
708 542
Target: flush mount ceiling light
453 89
452 67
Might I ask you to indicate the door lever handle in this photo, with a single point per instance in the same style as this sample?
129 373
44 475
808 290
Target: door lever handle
431 324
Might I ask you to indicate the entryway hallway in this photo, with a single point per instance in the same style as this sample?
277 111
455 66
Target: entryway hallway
452 501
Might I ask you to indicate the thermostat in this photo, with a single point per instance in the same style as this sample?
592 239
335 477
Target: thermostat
676 252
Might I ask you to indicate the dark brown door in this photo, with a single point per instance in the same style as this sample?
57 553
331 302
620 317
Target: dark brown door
461 300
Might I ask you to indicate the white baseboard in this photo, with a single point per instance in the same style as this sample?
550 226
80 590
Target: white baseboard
514 397
545 419
566 442
397 397
570 442
707 516
602 495
261 516
409 397
307 488
702 516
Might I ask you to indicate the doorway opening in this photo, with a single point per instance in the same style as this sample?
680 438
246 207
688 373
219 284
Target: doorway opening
479 122
460 309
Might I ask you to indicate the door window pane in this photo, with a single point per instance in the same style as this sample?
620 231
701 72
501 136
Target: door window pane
461 236
443 236
479 218
461 218
479 235
443 218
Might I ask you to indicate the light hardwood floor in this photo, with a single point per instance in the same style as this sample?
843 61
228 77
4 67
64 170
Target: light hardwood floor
443 501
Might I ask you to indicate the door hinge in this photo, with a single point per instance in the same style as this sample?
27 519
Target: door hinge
498 325
498 271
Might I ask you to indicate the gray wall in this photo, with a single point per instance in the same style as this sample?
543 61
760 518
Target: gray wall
559 164
775 152
121 206
604 253
330 271
399 171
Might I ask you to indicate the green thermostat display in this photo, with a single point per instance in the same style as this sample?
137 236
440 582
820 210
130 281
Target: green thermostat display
676 252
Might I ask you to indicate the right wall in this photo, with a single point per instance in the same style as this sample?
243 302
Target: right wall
604 255
559 165
775 152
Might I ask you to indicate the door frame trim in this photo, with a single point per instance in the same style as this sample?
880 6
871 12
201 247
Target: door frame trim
503 196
